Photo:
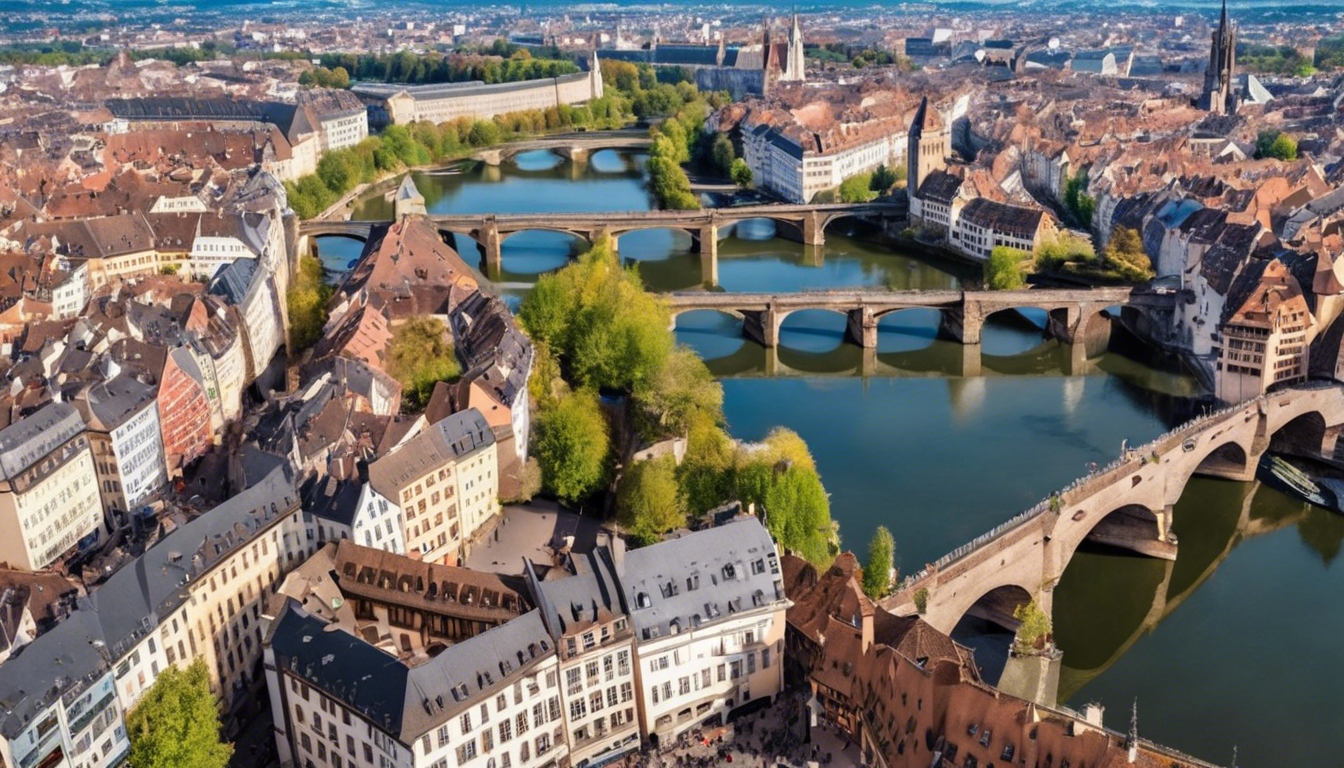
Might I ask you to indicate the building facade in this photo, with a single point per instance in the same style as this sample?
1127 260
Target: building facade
445 484
708 615
1264 342
127 440
49 500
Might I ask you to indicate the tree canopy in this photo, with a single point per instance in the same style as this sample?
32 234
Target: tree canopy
572 445
1003 271
420 355
881 558
177 724
648 500
307 303
741 173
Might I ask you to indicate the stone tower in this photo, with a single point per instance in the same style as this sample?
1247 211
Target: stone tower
927 152
1220 94
794 65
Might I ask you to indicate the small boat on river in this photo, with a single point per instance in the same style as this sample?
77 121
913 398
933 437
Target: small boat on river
1278 473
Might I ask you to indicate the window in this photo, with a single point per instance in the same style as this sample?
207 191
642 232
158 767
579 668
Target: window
465 721
505 731
521 720
443 735
627 691
577 709
466 751
573 683
595 701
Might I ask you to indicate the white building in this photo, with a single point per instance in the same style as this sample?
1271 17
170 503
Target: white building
253 292
982 225
596 650
491 701
48 488
70 293
124 430
351 509
798 167
708 614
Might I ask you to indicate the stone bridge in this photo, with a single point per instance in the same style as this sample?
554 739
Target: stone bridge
576 147
1127 504
806 223
1075 315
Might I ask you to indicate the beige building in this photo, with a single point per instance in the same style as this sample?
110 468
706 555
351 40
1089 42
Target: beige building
393 104
445 483
1264 342
49 498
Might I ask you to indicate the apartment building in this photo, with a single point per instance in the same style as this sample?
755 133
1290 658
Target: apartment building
352 509
445 484
983 225
70 688
1264 342
49 499
708 614
124 432
595 644
491 701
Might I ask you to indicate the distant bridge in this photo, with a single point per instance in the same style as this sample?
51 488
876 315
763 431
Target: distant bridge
1074 315
1127 504
575 147
806 223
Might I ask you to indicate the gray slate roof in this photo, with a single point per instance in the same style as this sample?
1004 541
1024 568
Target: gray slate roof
452 439
702 577
25 442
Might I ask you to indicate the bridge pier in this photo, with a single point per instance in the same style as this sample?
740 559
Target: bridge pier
868 366
706 243
970 361
814 229
493 245
963 324
815 256
762 326
862 327
491 157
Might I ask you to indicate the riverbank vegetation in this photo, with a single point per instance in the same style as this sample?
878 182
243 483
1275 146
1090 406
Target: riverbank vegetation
881 558
307 303
419 356
502 65
407 146
597 330
1069 255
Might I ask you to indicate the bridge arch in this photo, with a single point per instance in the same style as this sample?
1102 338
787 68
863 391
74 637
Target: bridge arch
677 314
1302 435
1132 526
781 319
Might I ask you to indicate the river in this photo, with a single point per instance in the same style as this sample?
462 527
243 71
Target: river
1230 645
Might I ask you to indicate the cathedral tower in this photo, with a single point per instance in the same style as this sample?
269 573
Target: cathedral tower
1220 94
928 148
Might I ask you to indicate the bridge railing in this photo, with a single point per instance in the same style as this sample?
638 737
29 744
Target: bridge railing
1084 484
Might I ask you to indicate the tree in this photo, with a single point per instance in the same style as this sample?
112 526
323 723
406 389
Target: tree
1003 271
572 446
883 179
420 355
857 189
1035 628
648 501
881 556
176 723
680 388
307 303
722 155
1283 148
741 173
921 600
528 478
1077 200
1125 254
798 514
705 476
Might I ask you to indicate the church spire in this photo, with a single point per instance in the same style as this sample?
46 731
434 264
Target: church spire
1222 23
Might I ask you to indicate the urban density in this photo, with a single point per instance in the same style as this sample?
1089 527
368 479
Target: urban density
580 385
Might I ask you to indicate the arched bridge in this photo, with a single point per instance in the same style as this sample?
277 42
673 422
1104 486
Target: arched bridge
1126 504
1075 315
573 146
805 222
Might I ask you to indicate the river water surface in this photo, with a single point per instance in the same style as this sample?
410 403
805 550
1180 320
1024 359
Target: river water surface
1233 644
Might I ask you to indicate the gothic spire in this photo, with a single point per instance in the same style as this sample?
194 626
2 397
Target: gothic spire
1222 23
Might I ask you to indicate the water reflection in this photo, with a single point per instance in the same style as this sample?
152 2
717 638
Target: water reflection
1214 627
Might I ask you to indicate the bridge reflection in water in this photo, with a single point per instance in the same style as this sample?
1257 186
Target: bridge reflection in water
813 344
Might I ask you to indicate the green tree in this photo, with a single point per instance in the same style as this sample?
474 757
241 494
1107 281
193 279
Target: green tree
176 723
307 303
883 179
573 446
798 513
1077 200
1003 271
881 558
706 472
722 155
420 355
741 173
1034 630
648 500
680 388
857 189
921 598
1125 255
1283 148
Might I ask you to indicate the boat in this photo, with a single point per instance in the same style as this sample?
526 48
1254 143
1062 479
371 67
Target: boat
1277 473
